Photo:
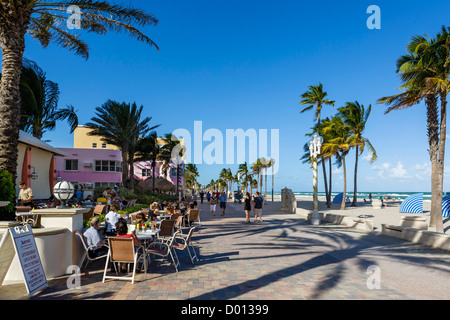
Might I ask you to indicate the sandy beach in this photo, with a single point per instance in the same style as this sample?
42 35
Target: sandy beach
386 215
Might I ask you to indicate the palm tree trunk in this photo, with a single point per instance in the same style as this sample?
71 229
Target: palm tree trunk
131 163
153 173
125 165
442 133
355 179
325 180
344 195
433 141
272 181
329 186
12 43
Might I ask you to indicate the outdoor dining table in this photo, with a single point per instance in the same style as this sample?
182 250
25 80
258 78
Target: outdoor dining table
146 236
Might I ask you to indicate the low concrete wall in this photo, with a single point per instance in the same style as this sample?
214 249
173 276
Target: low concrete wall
50 243
357 223
428 238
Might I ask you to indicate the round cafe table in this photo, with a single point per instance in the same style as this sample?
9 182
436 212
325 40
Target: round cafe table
146 237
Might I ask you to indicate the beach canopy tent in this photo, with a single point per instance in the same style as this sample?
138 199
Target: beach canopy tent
338 198
446 206
161 184
412 204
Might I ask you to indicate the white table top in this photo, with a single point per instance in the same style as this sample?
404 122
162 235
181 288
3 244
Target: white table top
147 234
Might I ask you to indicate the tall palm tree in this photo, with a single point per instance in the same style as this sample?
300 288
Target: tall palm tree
425 72
355 116
315 97
42 20
39 102
339 144
120 124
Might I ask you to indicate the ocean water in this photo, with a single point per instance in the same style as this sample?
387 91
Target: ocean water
365 195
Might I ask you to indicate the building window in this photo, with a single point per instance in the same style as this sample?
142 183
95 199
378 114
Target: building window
103 145
146 172
108 166
71 165
94 145
104 184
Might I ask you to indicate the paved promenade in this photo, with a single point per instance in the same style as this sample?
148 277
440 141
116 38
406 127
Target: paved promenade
283 258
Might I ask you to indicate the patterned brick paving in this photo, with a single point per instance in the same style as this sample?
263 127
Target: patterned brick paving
283 258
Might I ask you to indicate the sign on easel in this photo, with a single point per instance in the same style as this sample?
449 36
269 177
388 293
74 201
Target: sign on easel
29 258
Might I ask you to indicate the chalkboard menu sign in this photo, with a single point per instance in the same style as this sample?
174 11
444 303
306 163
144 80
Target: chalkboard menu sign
29 258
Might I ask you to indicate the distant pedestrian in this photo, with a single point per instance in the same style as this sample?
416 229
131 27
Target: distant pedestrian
208 196
247 206
223 203
212 205
258 203
202 194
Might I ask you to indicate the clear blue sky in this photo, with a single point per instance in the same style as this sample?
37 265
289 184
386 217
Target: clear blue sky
243 64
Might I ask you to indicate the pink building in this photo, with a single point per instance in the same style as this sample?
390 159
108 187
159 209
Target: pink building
143 170
91 167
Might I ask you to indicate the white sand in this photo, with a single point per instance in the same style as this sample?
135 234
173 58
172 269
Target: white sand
386 215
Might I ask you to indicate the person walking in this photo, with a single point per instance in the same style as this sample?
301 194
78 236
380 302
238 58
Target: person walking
202 194
212 205
247 206
258 203
223 203
208 196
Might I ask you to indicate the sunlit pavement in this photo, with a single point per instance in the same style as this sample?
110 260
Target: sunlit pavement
283 258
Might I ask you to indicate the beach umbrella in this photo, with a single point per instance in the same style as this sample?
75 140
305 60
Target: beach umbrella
338 198
412 204
446 206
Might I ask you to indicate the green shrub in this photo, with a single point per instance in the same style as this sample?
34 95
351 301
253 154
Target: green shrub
7 193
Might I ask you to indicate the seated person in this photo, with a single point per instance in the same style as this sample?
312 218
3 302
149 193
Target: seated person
112 217
122 231
94 239
140 218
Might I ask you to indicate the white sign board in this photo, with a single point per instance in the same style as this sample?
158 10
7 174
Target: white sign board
29 258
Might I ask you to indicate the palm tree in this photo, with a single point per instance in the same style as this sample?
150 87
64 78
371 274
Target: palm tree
148 149
243 172
171 152
355 116
120 124
315 97
338 145
42 20
425 72
257 169
39 102
191 175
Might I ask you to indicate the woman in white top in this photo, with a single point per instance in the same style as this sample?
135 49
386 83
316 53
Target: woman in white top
112 217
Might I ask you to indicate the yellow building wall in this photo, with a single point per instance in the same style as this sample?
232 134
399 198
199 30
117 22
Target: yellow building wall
81 140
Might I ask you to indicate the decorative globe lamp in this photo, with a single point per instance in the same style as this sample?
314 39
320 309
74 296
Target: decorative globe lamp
63 191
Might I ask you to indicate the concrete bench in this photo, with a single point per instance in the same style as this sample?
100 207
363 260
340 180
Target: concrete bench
425 237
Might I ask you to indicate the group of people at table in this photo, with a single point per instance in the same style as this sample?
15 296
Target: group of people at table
117 224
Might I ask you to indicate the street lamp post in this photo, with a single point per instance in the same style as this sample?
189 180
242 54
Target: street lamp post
314 149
